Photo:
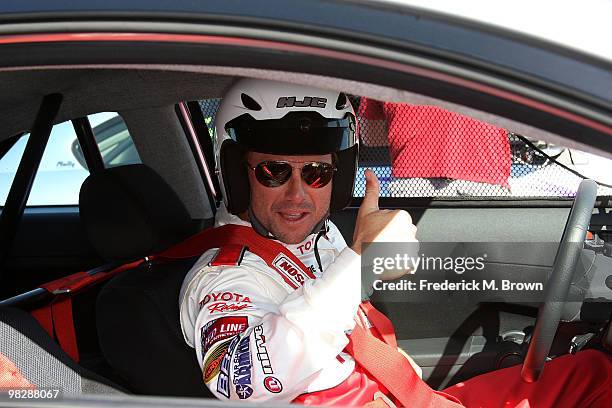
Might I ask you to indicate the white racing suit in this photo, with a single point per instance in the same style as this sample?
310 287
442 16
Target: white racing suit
262 336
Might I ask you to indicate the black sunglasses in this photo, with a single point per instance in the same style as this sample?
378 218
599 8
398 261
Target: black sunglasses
275 173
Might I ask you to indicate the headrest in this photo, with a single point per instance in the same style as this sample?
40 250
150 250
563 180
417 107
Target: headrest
130 211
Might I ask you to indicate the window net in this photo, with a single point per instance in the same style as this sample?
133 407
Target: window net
429 152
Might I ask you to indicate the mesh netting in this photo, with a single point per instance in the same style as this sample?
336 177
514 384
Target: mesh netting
426 151
209 110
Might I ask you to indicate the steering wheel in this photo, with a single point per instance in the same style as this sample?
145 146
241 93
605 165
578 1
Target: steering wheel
557 286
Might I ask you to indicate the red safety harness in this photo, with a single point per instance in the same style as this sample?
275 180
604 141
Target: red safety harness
374 349
56 317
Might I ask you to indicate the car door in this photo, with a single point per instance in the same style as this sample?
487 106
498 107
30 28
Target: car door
465 181
535 82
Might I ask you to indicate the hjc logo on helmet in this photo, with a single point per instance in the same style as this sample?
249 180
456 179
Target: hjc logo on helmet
308 101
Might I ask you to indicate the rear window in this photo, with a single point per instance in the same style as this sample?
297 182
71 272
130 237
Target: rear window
63 169
114 141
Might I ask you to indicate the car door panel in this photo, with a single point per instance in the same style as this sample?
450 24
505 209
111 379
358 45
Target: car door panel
455 339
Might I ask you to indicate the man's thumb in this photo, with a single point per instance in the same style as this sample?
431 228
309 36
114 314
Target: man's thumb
370 199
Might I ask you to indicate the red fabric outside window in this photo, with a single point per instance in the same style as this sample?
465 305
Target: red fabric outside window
430 142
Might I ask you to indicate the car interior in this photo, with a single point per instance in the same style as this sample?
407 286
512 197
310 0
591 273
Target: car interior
126 324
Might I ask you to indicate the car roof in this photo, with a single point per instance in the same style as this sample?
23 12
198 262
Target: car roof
470 29
403 47
582 26
92 90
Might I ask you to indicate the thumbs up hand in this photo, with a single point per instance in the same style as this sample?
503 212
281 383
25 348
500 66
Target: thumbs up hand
376 225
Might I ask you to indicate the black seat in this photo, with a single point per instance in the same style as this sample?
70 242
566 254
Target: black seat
130 212
140 333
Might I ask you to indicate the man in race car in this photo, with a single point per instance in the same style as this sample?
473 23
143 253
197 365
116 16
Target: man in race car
284 320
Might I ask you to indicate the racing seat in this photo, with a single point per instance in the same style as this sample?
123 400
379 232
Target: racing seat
40 359
130 212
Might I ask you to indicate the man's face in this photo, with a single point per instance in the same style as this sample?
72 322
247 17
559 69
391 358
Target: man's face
292 210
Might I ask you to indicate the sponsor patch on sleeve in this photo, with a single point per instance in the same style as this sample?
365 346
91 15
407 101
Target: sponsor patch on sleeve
226 361
221 329
273 384
242 369
220 302
212 364
262 350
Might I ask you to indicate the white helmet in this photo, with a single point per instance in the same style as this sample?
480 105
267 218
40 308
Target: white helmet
284 119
